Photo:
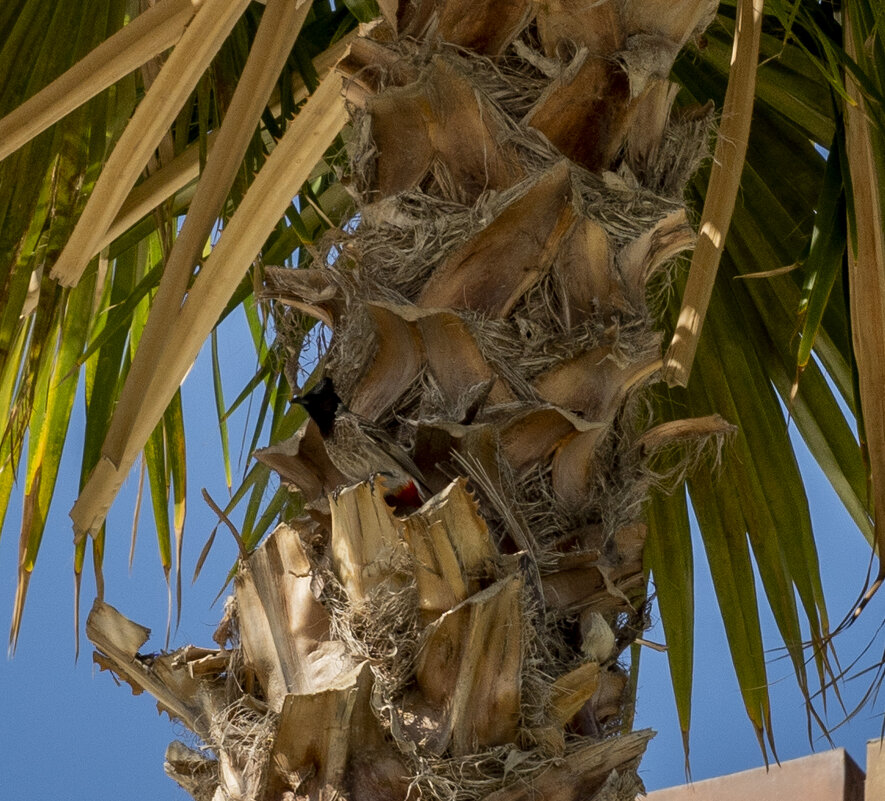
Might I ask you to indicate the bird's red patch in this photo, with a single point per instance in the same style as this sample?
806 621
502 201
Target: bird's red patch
406 495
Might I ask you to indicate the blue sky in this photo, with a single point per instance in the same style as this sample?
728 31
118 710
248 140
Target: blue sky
67 731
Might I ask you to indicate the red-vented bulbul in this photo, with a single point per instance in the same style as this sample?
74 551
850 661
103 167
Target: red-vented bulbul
360 449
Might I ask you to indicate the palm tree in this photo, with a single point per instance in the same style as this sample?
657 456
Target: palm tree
490 235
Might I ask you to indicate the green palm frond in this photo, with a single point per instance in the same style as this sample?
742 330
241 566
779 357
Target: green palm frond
46 182
784 217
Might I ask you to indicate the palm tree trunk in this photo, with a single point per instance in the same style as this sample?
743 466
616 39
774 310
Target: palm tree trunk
519 173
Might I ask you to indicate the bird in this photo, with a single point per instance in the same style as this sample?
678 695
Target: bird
360 449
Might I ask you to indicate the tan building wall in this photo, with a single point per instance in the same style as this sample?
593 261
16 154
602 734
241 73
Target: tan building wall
827 776
875 770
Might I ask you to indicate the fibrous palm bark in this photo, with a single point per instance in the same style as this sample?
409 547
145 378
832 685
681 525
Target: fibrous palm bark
519 172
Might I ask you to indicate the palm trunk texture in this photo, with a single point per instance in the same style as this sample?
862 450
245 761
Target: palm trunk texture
519 170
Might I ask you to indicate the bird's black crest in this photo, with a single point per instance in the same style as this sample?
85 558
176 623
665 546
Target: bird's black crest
321 403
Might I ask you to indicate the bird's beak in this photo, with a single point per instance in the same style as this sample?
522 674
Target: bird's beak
297 399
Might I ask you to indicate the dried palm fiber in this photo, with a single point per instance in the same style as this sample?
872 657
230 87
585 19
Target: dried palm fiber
213 692
580 551
490 307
